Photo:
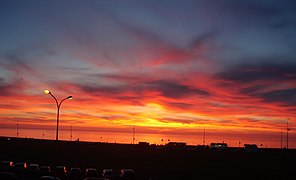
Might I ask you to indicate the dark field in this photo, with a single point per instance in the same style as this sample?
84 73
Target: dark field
155 162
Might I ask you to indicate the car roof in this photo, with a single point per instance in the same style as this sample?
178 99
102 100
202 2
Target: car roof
33 165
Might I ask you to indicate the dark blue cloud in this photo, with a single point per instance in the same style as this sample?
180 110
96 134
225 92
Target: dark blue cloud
179 105
10 88
4 88
265 81
253 89
284 96
256 72
163 87
175 90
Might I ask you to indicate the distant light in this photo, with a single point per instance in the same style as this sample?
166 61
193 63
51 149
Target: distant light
70 97
47 91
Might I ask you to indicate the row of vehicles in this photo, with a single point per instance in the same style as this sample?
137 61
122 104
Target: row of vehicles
23 171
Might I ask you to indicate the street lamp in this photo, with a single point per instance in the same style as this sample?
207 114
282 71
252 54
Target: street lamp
58 109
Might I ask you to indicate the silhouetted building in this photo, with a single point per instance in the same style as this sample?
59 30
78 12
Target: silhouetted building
251 148
176 144
144 144
219 146
202 147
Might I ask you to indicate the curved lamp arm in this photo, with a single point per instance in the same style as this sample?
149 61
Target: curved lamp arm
58 108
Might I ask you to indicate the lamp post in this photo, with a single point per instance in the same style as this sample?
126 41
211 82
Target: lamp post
58 109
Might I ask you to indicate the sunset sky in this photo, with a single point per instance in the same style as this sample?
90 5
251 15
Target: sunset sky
169 66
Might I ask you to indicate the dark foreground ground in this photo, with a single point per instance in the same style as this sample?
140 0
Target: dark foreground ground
154 162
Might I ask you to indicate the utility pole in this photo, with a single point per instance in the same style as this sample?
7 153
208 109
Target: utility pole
71 133
134 135
281 139
17 130
204 137
288 134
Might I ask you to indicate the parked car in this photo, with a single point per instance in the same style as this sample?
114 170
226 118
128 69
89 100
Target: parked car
20 168
91 173
33 170
49 178
44 171
33 167
111 174
95 178
75 174
61 172
128 174
7 163
21 165
6 166
8 176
